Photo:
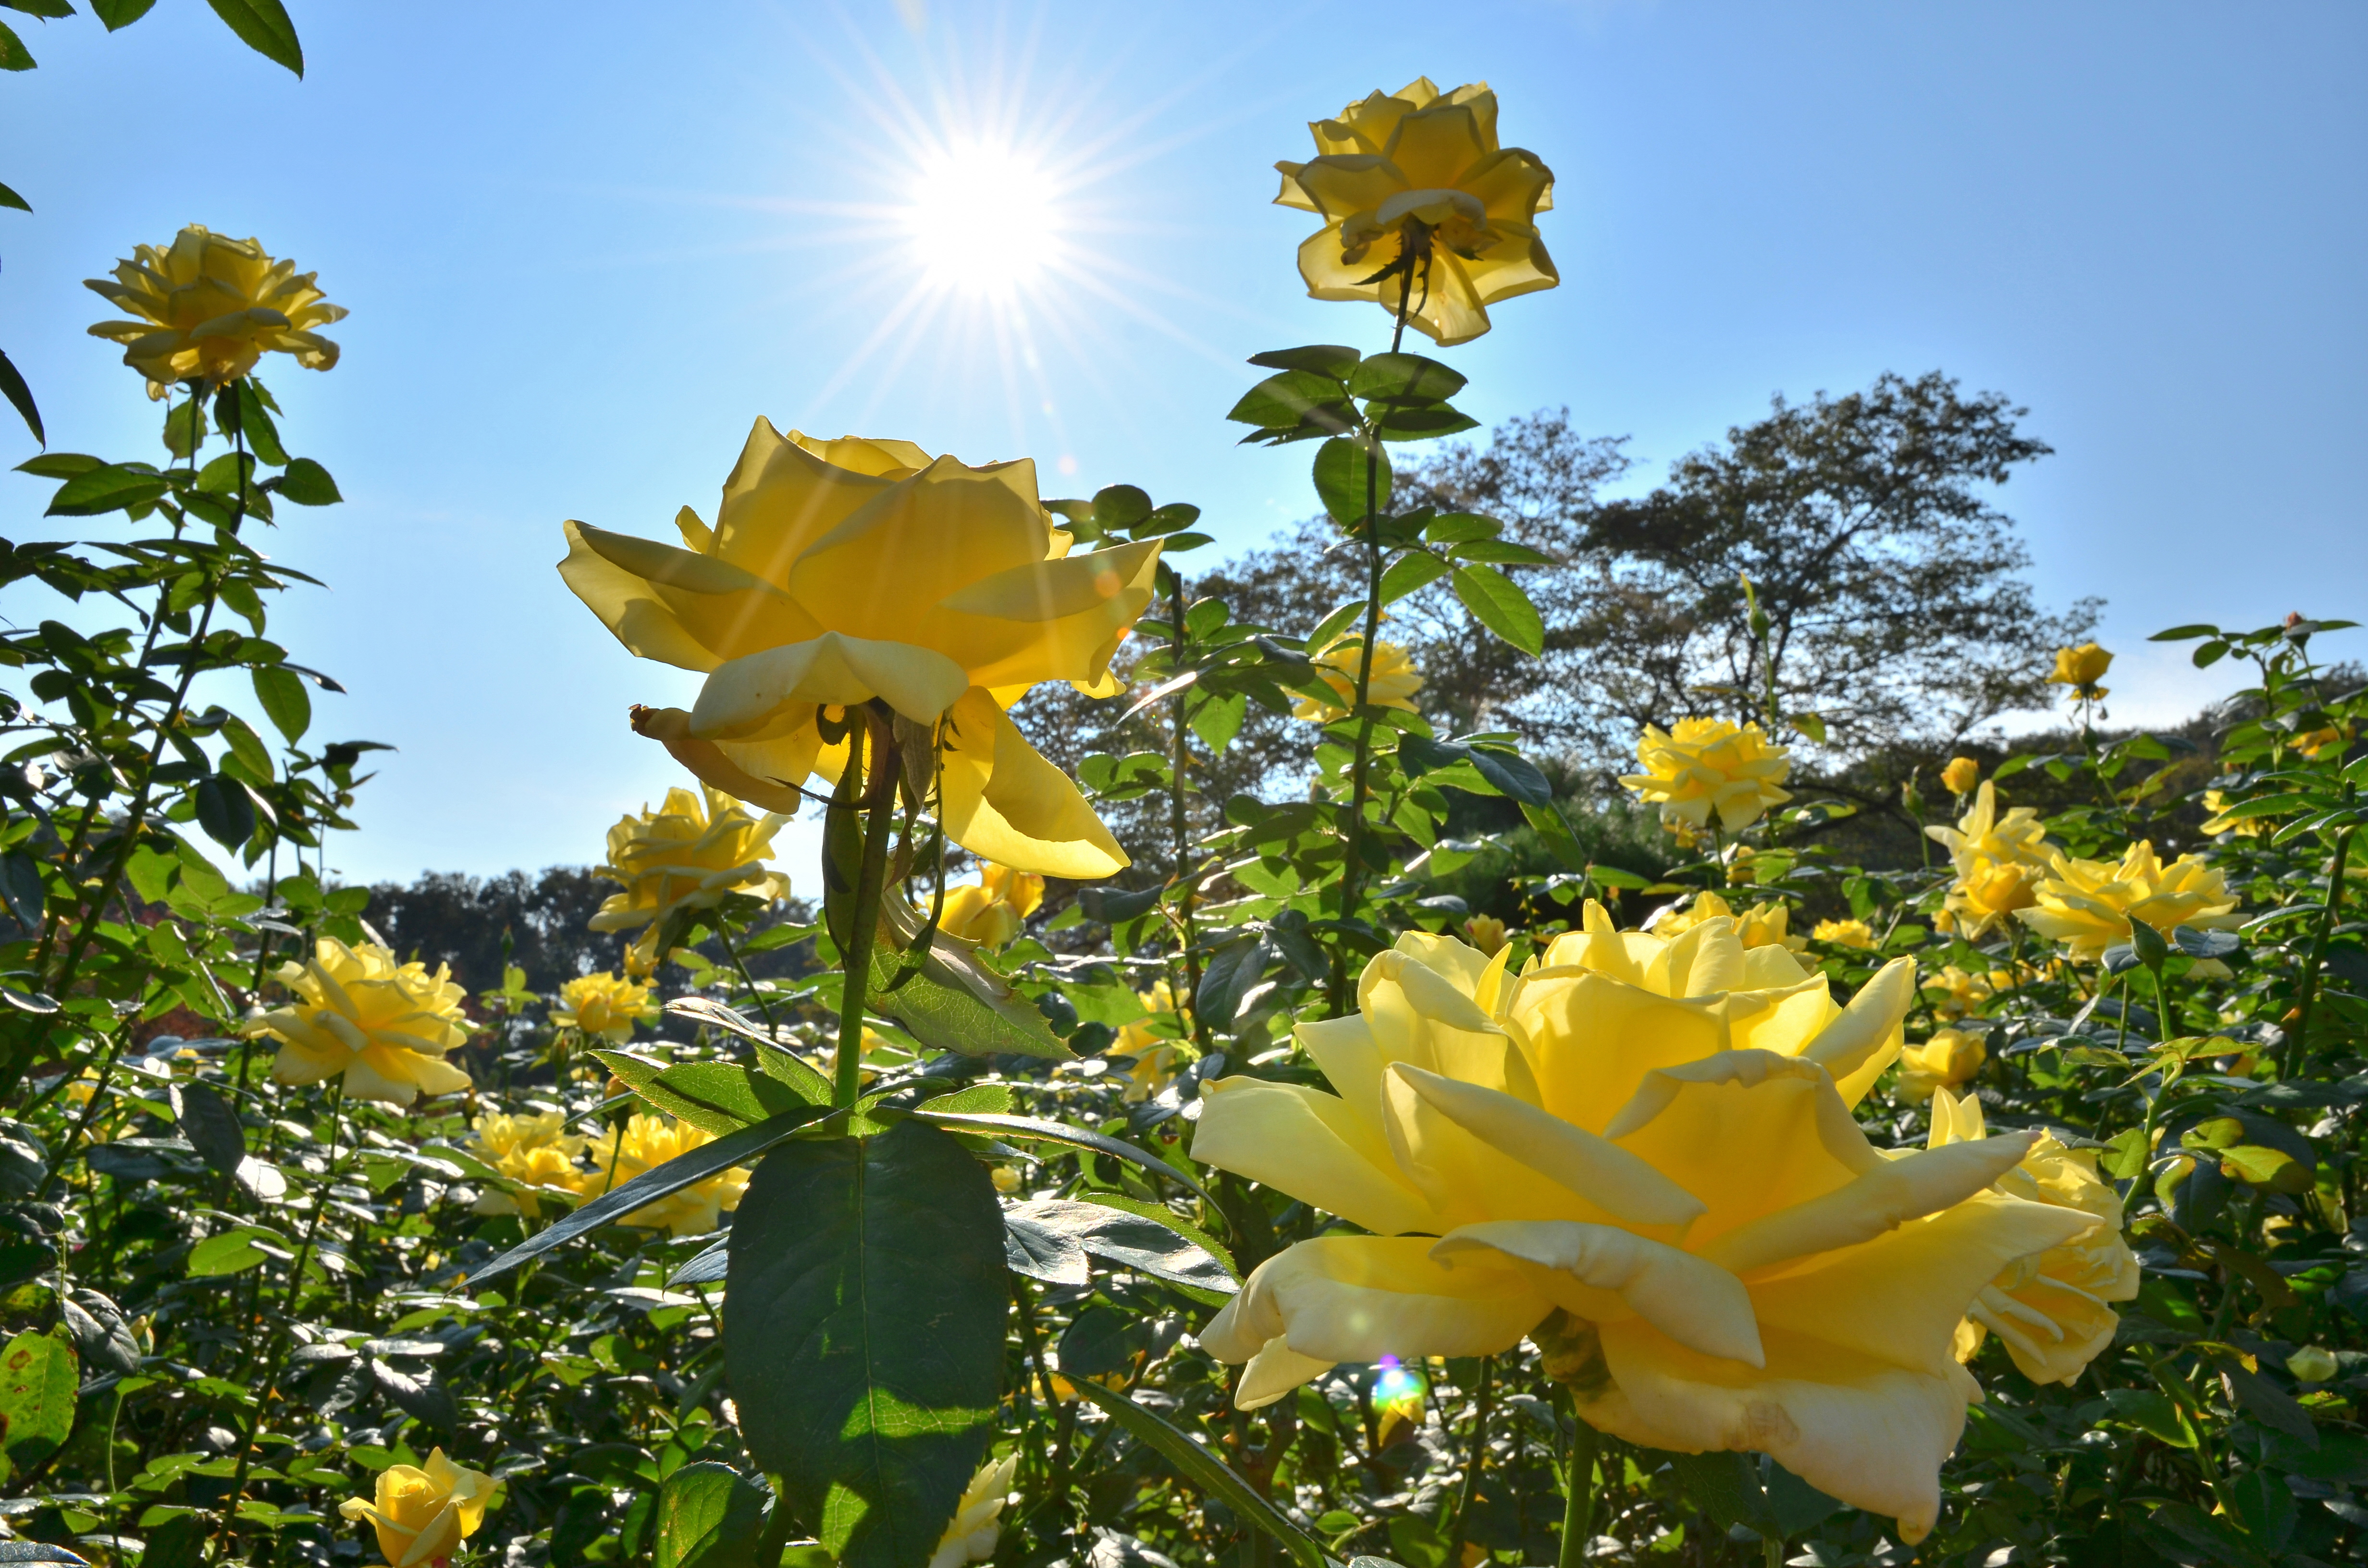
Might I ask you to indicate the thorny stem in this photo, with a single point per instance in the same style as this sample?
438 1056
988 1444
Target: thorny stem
880 802
1180 827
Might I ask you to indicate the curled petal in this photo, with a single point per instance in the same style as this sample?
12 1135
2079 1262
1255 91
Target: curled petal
1694 1301
1856 1047
1883 1199
742 696
1004 802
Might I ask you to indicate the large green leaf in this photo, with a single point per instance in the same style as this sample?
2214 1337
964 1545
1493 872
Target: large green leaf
1498 603
1341 481
263 26
710 1516
37 1379
19 395
715 1097
863 1334
1206 1471
953 1002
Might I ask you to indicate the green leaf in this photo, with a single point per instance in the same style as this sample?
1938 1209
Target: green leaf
19 395
247 747
225 811
1810 724
48 10
715 1097
8 198
307 484
38 1380
233 1252
1033 1129
254 423
1404 378
1342 479
1291 399
119 14
14 56
710 1516
285 701
863 1334
1461 528
1327 359
684 1170
1503 554
108 488
1554 828
1120 507
1497 602
954 1003
1206 1471
263 26
61 465
1415 570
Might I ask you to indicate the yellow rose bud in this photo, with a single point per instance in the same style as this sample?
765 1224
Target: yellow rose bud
647 1142
209 307
687 854
2081 668
1707 767
421 1516
1007 1180
607 1006
976 1527
1654 1137
1391 683
384 1026
2089 906
1422 209
1487 933
1960 774
993 910
839 573
1949 1058
1845 934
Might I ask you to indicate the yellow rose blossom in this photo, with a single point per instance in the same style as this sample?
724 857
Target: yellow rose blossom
1706 766
840 572
647 1142
2216 802
1421 206
1392 682
1949 1058
1487 933
607 1006
384 1026
684 855
1763 924
2316 741
1986 893
1960 774
209 307
976 1527
421 1516
2050 1307
2019 837
2088 905
995 908
535 1150
1844 934
2081 668
1156 1057
1653 1136
1955 992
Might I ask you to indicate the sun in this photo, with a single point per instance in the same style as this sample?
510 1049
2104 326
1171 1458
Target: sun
982 217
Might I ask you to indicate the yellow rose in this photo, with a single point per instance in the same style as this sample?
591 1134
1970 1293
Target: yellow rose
1419 201
647 1142
1949 1058
1709 764
2316 741
2049 1306
1487 933
995 908
1156 1057
1845 934
2019 837
1763 924
383 1025
607 1006
422 1515
1392 683
209 307
838 572
976 1527
1955 992
1986 892
1655 1138
2081 668
536 1151
1960 774
2088 905
2220 822
683 855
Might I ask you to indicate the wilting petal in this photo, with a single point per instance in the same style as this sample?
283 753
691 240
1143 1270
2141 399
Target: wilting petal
1695 1303
1311 1145
1360 1298
773 790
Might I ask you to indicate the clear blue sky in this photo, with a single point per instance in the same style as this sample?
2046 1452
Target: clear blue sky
584 244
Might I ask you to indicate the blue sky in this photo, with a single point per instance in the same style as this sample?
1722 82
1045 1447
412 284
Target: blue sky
584 244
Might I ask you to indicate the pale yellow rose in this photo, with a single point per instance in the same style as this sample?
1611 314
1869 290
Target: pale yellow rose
2017 839
2081 668
386 1025
2311 742
2088 905
536 1151
1844 934
1960 774
1986 892
1653 1136
838 572
2216 802
422 1515
647 1142
1392 682
994 909
1955 992
1949 1058
1706 766
1420 168
976 1527
2049 1306
686 854
607 1006
209 307
1487 933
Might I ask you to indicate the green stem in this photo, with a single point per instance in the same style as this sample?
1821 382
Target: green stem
723 935
2298 1042
1180 824
1578 1512
1478 1462
778 1525
880 799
